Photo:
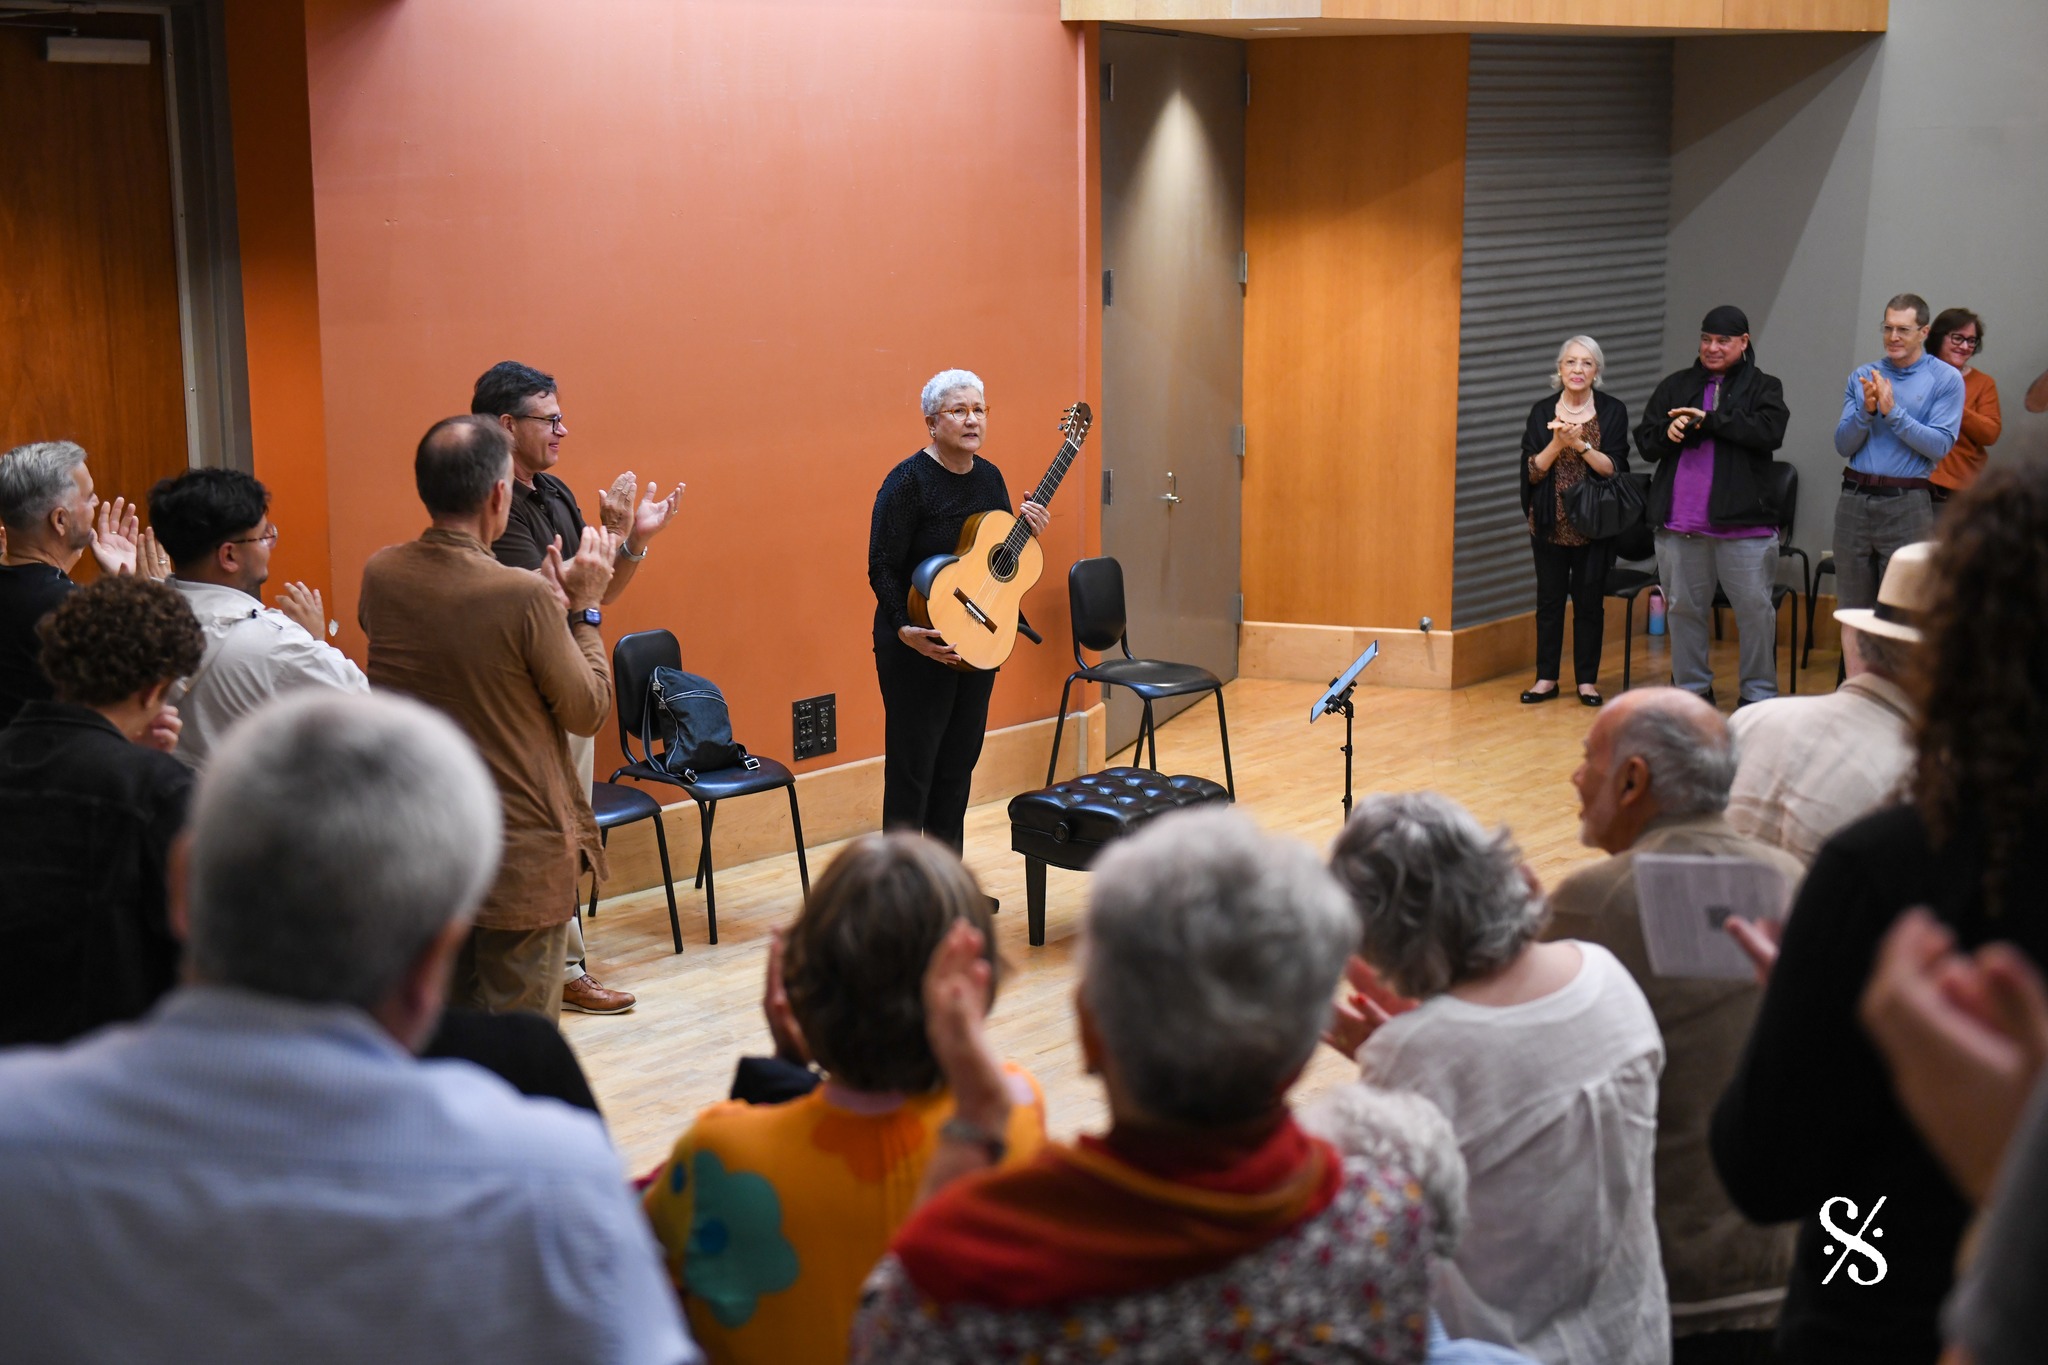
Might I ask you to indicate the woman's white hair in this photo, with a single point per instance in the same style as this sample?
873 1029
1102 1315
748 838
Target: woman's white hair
333 836
1210 957
944 382
1599 361
1440 899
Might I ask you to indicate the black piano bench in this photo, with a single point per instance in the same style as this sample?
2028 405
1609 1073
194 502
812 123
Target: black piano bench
1069 823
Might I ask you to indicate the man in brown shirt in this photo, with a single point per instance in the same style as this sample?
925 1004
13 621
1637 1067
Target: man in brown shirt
515 658
1658 766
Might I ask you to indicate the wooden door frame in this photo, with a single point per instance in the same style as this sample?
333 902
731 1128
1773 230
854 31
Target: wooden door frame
211 338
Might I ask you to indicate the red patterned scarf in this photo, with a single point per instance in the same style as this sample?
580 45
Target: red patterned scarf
1122 1215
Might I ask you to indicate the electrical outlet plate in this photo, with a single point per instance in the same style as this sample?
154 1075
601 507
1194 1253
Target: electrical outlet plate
814 724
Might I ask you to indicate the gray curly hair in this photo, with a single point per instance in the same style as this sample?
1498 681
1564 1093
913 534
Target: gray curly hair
1599 361
944 382
1439 899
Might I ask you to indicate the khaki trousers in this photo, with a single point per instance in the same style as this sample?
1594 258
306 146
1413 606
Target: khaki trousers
500 970
583 757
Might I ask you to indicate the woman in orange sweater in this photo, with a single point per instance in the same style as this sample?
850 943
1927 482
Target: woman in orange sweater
1958 337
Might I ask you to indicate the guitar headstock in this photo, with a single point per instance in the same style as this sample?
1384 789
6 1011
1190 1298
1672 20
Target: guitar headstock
1075 421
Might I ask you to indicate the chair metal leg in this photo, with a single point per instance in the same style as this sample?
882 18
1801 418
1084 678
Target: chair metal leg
603 841
1223 730
1717 623
1152 732
1059 725
703 855
796 823
1795 644
1034 899
668 882
1628 638
707 811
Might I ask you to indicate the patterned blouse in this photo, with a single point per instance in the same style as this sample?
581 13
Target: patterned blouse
1569 471
1349 1284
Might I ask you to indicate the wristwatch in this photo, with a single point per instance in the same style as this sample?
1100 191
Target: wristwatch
589 616
957 1129
626 552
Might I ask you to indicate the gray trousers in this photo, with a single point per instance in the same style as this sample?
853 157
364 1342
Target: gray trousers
1868 528
1688 567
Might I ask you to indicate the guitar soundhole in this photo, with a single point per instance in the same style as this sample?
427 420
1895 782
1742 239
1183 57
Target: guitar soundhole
1002 563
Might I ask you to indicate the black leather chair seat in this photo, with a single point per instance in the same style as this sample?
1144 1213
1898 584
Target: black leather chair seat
614 805
719 783
1152 678
1069 823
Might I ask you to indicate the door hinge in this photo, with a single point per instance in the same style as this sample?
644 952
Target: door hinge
1109 81
1244 267
1108 288
1237 447
1108 486
1240 610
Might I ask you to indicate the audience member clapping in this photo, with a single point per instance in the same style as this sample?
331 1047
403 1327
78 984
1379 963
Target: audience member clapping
261 1170
1970 849
1206 1224
1654 781
52 517
90 801
216 527
1543 1056
773 1214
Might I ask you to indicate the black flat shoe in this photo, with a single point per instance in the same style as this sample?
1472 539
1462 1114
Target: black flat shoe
1531 698
1591 699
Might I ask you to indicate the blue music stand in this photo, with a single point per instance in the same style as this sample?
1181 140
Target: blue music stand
1337 701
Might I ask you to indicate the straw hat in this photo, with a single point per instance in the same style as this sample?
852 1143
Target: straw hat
1903 599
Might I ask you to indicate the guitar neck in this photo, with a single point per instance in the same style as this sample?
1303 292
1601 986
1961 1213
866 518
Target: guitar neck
1047 486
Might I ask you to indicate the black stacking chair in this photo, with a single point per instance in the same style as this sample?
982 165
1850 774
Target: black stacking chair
1781 489
1636 544
614 806
1095 597
634 660
1826 568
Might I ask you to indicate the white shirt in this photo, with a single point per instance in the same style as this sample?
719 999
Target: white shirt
239 1177
253 653
1555 1106
1811 765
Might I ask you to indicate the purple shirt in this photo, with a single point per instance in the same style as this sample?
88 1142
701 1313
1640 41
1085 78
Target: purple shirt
1693 483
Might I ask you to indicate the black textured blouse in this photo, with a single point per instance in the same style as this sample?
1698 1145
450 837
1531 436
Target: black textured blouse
918 513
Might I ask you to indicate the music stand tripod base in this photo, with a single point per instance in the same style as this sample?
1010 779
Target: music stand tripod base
1337 702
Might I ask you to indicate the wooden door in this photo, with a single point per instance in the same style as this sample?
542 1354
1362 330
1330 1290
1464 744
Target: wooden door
1173 347
90 329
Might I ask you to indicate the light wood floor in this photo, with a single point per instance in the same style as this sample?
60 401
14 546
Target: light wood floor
655 1067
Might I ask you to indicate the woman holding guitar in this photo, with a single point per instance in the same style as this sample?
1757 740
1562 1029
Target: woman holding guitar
936 710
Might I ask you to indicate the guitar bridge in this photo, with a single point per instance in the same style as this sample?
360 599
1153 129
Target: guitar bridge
976 612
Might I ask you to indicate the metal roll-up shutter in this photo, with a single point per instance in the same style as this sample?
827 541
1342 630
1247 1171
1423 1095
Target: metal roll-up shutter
1567 206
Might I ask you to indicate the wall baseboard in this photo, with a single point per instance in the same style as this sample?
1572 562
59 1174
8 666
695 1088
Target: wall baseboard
837 803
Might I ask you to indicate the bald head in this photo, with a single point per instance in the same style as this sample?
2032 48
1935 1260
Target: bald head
1654 752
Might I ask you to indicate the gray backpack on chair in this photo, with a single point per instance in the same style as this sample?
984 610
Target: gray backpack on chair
694 727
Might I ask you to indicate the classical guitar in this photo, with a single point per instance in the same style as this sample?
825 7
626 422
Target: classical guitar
972 597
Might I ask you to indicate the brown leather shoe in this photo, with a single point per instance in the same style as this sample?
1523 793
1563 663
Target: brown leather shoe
587 995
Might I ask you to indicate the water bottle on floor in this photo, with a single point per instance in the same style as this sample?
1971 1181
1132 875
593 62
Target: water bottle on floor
1656 612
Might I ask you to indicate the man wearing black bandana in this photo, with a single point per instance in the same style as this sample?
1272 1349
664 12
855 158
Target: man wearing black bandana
1711 431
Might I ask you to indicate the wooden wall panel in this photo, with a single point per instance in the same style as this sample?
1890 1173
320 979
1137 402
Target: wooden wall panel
90 347
1354 204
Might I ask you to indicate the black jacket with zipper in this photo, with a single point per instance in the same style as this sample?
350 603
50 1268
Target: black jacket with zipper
1747 426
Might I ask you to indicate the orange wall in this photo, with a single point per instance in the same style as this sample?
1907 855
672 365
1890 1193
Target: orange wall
742 235
1354 220
266 42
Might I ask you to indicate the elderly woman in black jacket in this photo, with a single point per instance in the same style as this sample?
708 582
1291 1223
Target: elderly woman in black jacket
1711 430
1580 433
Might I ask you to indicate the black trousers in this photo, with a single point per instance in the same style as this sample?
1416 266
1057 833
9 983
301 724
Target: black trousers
936 717
1577 573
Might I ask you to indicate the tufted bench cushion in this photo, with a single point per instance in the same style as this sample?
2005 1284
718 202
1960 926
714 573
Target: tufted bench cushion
1069 823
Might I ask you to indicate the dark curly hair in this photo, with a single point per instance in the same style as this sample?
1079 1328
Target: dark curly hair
855 960
200 510
117 636
505 387
1983 686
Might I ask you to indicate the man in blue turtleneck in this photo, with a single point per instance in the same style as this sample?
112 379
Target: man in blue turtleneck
1899 417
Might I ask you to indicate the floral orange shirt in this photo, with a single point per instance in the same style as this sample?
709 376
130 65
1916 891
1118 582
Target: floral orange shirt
771 1216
